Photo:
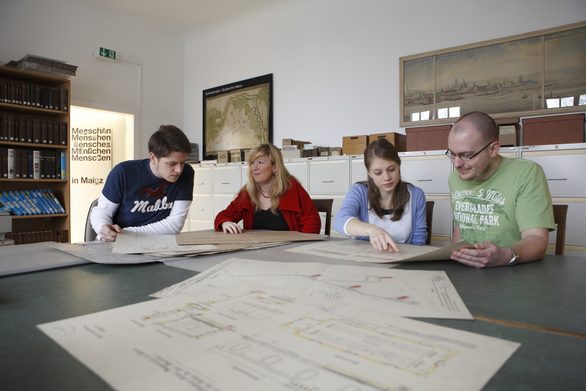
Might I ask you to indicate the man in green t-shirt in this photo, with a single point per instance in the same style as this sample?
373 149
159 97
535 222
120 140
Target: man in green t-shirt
501 206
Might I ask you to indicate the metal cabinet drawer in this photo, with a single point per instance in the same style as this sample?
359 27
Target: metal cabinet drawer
202 208
357 171
244 174
221 202
227 179
203 180
200 225
300 171
564 172
329 176
429 173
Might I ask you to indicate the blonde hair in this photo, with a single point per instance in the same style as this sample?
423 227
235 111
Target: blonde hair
281 177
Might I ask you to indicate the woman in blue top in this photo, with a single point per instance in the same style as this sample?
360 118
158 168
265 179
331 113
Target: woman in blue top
384 209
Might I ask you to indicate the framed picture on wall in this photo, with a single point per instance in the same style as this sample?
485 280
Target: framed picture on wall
528 74
238 115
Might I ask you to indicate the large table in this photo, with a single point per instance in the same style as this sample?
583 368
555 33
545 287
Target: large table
541 305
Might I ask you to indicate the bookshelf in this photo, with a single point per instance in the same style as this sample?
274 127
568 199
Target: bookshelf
34 149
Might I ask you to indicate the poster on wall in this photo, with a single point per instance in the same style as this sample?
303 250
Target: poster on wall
98 141
237 115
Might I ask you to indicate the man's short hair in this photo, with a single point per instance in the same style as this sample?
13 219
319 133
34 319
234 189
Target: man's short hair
482 122
168 139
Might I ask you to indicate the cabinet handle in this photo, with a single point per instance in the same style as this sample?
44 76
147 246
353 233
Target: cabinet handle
327 181
225 183
557 179
424 180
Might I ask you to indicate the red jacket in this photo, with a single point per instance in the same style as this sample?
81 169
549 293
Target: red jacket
295 205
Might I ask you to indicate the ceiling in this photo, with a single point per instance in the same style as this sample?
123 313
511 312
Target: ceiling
182 15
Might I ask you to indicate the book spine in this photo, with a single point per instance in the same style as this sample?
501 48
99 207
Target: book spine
43 164
36 130
2 130
10 163
57 203
7 201
29 158
16 163
29 129
36 164
42 200
3 166
32 202
21 129
52 164
63 133
21 207
63 165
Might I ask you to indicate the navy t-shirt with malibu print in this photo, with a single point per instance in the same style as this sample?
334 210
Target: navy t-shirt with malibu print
144 198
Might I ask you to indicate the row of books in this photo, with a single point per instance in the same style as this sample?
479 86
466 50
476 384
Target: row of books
18 163
31 202
38 236
32 129
29 94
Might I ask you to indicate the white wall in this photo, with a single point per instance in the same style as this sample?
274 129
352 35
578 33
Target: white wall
336 63
70 31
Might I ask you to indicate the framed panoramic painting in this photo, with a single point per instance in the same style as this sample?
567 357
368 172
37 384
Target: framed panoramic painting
534 73
238 115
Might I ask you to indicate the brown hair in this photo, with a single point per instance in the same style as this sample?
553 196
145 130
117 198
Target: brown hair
383 149
168 139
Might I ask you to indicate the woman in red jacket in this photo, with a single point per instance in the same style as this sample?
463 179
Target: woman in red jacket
272 199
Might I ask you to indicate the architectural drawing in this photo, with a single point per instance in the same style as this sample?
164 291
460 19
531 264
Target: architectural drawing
267 340
362 251
413 293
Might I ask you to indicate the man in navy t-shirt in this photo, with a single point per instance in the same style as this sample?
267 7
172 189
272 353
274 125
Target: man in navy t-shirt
150 195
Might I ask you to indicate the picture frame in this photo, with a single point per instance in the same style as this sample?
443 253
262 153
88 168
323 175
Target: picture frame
237 115
536 73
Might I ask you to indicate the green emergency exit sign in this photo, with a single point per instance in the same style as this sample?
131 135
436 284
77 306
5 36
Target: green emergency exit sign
107 53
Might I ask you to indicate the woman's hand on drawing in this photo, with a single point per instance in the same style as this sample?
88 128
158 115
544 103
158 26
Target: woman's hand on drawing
231 228
381 240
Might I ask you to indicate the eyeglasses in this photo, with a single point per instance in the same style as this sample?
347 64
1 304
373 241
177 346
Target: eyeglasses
466 156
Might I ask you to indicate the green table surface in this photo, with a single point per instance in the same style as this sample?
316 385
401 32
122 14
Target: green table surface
540 305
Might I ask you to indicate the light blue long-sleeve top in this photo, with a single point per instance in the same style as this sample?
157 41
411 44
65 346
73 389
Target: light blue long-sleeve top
355 205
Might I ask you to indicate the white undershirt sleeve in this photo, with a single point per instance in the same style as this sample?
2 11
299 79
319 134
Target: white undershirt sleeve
170 225
102 213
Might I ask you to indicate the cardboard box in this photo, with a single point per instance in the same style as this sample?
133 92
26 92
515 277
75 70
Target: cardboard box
236 155
290 141
313 152
508 140
291 152
508 135
555 129
428 138
397 139
354 145
335 151
223 157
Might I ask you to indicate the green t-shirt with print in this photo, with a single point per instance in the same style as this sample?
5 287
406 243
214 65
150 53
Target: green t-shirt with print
515 198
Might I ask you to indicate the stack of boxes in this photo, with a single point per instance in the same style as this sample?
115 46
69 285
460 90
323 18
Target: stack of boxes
293 148
233 155
355 145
